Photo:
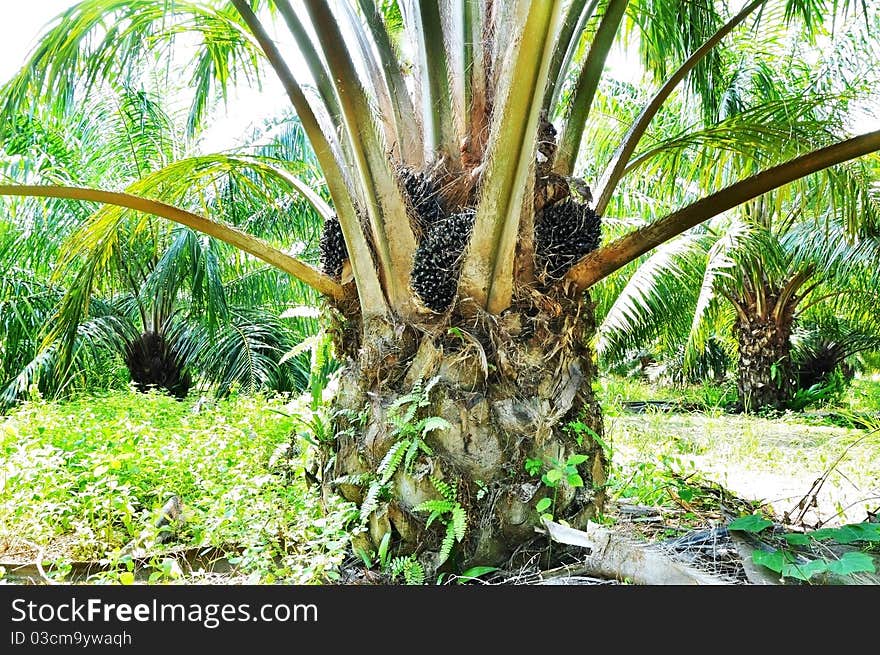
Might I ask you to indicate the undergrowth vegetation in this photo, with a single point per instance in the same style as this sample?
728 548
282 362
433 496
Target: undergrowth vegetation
86 477
664 452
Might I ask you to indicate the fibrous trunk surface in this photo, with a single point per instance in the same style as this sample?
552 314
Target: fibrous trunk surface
764 376
507 386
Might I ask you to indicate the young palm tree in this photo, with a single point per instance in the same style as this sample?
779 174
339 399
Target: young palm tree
167 303
468 243
746 283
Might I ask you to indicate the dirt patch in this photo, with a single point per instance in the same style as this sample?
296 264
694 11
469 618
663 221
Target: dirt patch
773 461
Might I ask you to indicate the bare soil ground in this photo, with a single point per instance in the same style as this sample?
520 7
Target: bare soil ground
778 462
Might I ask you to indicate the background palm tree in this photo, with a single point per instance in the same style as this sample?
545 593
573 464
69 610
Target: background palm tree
469 240
745 286
164 301
742 279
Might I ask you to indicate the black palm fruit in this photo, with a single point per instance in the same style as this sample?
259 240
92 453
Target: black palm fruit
333 250
424 197
564 233
437 262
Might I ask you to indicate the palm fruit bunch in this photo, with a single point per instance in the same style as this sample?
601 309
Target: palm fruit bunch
437 262
333 250
564 232
424 197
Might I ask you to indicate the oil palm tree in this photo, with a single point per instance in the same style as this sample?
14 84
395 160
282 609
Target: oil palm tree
746 284
448 135
168 303
742 279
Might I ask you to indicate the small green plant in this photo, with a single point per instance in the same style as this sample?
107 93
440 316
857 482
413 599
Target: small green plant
402 415
448 511
662 482
320 361
557 473
776 374
791 563
474 573
581 430
712 397
315 425
166 569
820 393
409 567
534 466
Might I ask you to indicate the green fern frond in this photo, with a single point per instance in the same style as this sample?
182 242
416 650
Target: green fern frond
413 572
355 479
434 515
459 521
415 445
407 399
425 397
446 490
413 397
408 416
439 506
391 462
432 423
371 501
447 545
397 565
411 453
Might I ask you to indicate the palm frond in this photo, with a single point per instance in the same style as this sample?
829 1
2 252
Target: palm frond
241 354
108 40
660 294
487 272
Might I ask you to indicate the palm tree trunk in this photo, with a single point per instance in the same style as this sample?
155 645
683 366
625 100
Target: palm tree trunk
153 364
507 390
764 374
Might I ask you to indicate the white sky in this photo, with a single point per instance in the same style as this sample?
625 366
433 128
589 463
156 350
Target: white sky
22 22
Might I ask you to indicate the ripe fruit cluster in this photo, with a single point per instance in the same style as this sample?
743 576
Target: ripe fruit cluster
564 232
438 259
424 196
333 250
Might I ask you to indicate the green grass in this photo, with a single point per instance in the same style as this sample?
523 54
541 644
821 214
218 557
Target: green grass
709 397
94 471
863 395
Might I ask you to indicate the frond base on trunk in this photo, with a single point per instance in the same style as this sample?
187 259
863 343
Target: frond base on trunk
153 364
